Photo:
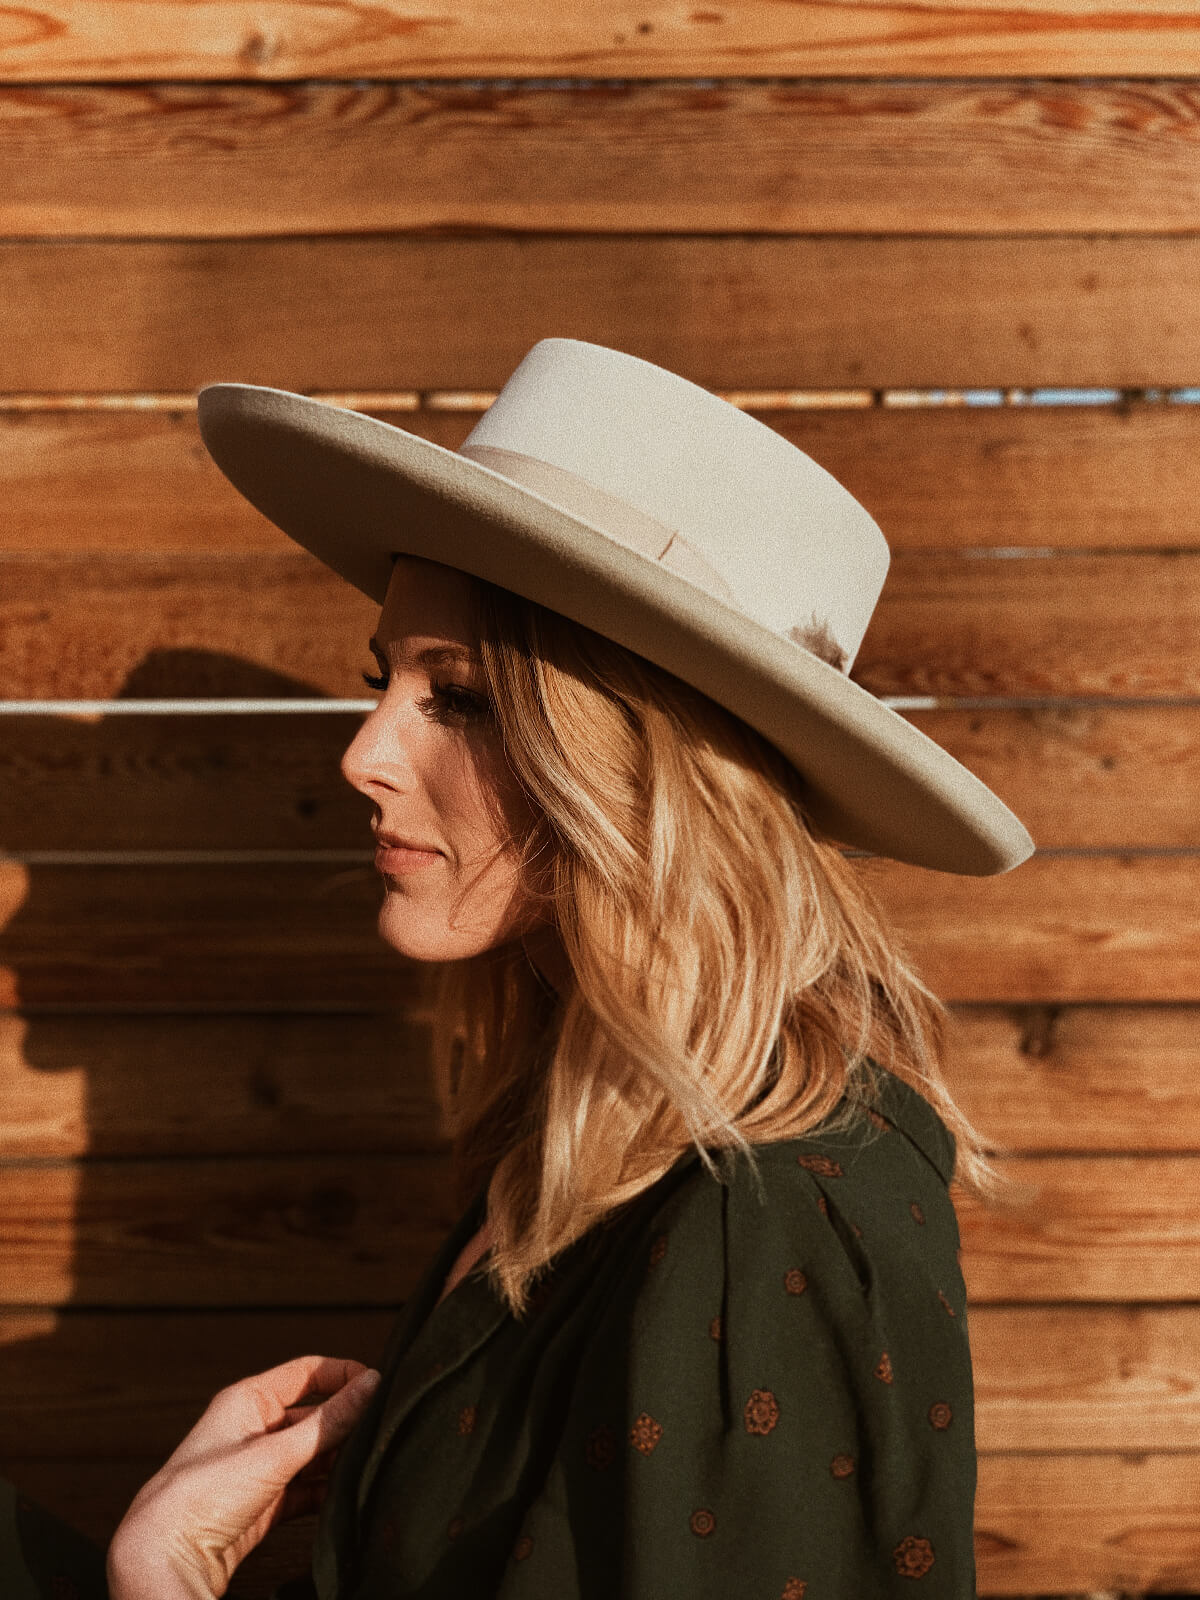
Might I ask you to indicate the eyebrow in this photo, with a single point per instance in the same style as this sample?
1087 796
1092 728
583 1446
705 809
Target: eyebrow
438 655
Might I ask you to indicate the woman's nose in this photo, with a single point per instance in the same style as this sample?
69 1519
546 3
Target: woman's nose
378 756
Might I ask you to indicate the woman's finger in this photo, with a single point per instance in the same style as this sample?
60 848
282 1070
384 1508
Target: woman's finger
286 1452
260 1403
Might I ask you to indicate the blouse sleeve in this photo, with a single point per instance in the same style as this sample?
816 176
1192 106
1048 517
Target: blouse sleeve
779 1405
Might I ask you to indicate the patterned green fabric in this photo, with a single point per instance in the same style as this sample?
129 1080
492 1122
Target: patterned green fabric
716 1392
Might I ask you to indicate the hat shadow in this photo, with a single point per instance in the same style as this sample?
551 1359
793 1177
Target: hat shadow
193 1048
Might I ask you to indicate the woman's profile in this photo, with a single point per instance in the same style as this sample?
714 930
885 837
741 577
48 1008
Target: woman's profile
700 1328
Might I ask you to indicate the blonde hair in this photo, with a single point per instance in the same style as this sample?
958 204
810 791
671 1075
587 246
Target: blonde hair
733 976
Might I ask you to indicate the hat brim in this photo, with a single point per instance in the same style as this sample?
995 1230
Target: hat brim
352 490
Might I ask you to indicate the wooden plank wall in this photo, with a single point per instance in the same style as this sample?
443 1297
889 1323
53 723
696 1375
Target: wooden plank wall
220 1146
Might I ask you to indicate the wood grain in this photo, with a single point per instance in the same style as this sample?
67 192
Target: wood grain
255 936
84 1384
332 1230
63 40
245 159
1080 1078
1106 1078
730 312
1123 476
297 936
283 625
1065 1524
1118 1228
293 1231
185 1085
1080 776
1065 928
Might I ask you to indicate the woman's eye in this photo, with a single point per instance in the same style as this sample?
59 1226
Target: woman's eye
449 702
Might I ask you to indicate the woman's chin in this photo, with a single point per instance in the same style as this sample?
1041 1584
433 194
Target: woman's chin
418 935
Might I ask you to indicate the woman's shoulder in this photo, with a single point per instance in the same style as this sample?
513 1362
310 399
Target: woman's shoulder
891 1156
858 1211
795 1339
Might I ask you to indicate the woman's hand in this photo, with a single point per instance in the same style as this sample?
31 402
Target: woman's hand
231 1479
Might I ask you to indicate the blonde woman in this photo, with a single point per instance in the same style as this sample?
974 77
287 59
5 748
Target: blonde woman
700 1328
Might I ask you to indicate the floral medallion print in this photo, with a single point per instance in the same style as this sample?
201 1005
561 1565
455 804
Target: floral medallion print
702 1523
466 1419
794 1589
881 1123
946 1306
842 1466
658 1249
761 1411
794 1281
821 1165
645 1433
913 1557
600 1451
714 1327
822 1205
918 1214
884 1369
523 1548
940 1414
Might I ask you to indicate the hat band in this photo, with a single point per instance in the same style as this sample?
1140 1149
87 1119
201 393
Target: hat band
639 532
616 517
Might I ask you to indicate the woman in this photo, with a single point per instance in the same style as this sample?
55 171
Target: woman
700 1328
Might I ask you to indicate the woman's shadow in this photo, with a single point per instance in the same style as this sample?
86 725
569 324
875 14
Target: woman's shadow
221 1143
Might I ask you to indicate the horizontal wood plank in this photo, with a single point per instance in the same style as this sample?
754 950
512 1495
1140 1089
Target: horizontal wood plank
308 1232
245 159
1097 1079
1117 1228
1124 476
1066 928
257 936
296 936
1078 1078
330 1230
82 1384
1080 776
1046 1525
87 40
241 1084
730 312
1085 1523
146 626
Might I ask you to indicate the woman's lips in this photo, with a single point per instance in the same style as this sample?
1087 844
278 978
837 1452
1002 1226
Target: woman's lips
394 859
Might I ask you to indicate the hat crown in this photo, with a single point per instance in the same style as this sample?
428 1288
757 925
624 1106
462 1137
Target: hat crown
780 537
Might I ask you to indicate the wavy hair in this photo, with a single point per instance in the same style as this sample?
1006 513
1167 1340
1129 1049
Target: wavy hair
733 977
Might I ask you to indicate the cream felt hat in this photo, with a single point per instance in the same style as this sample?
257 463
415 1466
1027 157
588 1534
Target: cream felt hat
646 508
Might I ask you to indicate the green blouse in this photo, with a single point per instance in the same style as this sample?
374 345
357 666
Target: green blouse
716 1392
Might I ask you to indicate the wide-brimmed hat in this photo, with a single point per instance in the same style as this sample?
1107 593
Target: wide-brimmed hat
643 506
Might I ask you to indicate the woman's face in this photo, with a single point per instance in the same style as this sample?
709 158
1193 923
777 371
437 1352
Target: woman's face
430 758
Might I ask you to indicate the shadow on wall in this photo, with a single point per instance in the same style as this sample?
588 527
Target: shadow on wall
221 1147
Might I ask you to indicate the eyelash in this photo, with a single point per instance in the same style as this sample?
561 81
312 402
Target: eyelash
456 704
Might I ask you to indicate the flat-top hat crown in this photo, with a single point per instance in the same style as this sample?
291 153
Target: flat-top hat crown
682 476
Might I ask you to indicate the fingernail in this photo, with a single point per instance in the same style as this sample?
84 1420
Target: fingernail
368 1379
